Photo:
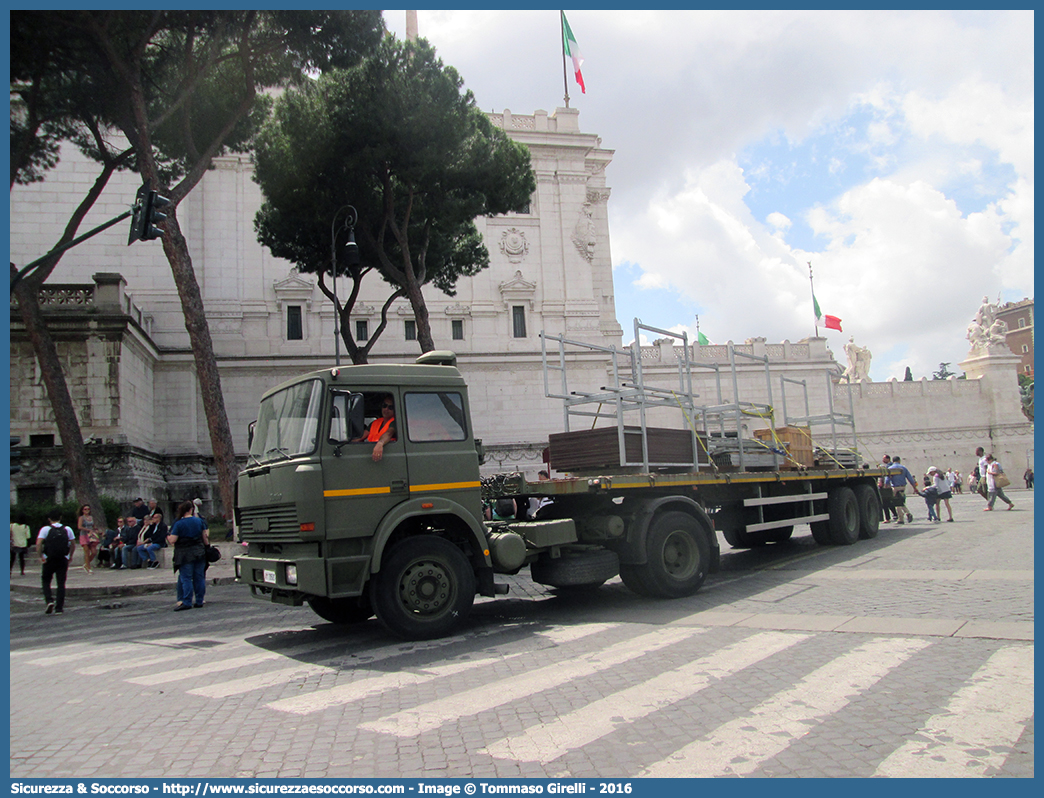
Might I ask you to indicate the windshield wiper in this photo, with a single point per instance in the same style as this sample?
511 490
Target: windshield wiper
279 450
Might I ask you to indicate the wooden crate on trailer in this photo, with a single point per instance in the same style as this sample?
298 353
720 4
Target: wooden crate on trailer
796 440
595 449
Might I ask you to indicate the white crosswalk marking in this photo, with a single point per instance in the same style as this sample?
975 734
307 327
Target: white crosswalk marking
181 674
548 741
743 744
354 691
425 717
981 720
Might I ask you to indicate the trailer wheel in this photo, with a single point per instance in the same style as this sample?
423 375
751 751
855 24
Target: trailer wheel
780 535
342 610
844 516
869 511
576 569
821 533
678 556
425 588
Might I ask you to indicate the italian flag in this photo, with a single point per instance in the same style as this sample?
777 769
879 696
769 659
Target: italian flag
702 339
572 50
830 322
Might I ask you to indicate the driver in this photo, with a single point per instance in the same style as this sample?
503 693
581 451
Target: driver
382 430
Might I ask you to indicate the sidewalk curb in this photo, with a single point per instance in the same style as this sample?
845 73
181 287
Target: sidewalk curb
102 591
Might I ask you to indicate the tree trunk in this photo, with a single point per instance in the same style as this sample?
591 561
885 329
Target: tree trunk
75 452
176 249
420 313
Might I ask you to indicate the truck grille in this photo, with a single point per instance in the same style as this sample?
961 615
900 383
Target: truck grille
281 520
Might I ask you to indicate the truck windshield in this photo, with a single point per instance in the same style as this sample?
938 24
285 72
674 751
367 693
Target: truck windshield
287 423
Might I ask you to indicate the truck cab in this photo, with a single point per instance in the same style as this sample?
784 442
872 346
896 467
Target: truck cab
328 523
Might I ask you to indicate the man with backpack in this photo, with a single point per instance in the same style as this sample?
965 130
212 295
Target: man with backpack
55 544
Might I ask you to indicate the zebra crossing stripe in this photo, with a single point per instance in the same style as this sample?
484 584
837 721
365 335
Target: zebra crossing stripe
548 741
365 687
422 718
181 674
980 723
304 670
740 746
91 652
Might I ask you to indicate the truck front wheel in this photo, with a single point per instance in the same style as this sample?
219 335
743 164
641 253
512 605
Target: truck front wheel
342 610
678 558
425 588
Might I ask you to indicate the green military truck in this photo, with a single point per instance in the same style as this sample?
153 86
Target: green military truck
405 537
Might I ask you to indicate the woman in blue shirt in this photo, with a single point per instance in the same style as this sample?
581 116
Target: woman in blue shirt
189 538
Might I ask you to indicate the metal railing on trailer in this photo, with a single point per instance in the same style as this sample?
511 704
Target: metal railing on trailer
831 417
624 396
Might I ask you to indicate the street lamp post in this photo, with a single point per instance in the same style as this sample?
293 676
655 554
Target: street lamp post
351 258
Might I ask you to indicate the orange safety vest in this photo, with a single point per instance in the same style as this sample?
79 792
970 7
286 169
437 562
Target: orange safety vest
378 428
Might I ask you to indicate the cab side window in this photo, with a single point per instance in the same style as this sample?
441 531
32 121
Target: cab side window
435 416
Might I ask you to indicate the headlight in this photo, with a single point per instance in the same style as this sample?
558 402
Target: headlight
291 574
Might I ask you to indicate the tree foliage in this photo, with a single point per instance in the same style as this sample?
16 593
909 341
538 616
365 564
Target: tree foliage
180 87
399 139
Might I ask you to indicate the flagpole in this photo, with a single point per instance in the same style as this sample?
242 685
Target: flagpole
565 74
813 289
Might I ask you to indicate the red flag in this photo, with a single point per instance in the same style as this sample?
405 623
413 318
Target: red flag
832 322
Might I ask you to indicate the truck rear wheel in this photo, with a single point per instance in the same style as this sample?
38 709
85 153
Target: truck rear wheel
678 558
844 516
424 589
342 610
869 511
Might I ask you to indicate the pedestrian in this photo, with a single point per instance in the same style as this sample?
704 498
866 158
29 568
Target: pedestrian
55 544
981 488
900 476
90 539
189 537
887 494
19 540
151 539
995 483
108 545
140 511
943 493
1028 476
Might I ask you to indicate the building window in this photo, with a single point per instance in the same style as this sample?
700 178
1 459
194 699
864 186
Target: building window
1028 369
458 329
1022 323
362 330
41 441
294 330
411 330
1025 349
518 321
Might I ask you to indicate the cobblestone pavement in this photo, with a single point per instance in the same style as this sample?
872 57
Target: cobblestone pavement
907 655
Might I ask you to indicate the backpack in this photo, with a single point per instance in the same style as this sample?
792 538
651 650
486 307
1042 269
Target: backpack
56 544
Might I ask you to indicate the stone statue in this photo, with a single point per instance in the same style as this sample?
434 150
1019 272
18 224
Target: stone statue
986 329
858 362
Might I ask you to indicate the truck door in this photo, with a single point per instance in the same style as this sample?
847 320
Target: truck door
358 492
443 460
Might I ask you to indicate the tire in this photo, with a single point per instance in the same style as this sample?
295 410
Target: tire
633 577
732 537
869 511
781 535
425 588
342 610
576 569
844 516
678 557
821 533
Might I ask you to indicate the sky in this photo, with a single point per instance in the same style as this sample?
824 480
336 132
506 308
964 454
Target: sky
891 149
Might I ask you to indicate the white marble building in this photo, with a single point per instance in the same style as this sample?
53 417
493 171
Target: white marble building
118 324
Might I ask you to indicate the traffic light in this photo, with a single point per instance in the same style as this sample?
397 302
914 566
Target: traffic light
146 215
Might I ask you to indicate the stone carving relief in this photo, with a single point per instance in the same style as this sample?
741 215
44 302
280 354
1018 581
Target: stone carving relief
514 245
859 357
458 309
986 329
584 232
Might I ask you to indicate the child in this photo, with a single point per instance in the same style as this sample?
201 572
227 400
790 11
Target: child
931 497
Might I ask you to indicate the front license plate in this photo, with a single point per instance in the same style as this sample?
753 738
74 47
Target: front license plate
269 577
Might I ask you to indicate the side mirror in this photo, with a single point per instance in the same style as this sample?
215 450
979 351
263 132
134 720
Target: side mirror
250 433
347 417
